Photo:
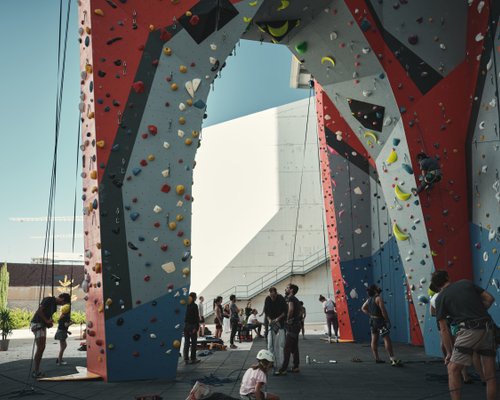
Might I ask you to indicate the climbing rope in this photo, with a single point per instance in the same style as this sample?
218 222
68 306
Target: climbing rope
311 87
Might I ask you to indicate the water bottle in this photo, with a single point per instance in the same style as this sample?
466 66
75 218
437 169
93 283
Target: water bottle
307 359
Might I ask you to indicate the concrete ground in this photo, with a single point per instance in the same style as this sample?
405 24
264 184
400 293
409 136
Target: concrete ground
331 374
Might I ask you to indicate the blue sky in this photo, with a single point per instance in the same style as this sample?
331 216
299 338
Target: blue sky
256 78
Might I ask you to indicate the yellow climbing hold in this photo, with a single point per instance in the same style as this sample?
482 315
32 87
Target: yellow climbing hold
174 86
247 20
182 120
98 11
187 242
372 136
100 144
284 4
393 157
179 189
253 3
183 69
328 59
400 235
433 253
179 217
400 194
186 271
167 51
188 141
172 225
176 344
151 157
278 32
93 174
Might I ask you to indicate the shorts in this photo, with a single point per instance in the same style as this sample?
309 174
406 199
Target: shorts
378 326
469 341
218 324
39 330
61 335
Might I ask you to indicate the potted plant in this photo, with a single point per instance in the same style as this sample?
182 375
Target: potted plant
6 327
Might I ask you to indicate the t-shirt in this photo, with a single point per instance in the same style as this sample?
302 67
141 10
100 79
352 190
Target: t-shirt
273 309
252 319
233 309
63 323
250 380
49 306
297 311
192 317
200 309
461 301
429 164
329 306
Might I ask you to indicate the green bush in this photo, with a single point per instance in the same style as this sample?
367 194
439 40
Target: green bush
21 317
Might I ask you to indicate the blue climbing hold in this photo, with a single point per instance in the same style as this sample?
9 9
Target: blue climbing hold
136 171
134 215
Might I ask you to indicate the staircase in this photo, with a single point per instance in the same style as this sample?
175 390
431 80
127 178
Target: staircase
289 268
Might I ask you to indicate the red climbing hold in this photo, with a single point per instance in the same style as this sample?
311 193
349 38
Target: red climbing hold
138 86
165 35
143 163
194 20
152 129
164 247
165 188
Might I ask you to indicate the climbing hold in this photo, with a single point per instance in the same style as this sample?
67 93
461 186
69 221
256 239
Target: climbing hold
393 157
134 215
328 59
400 194
168 268
185 271
301 48
399 235
423 299
176 344
179 189
99 12
407 168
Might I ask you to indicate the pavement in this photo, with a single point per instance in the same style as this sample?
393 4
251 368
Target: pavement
331 374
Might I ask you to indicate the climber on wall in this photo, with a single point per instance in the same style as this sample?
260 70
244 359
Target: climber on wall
430 173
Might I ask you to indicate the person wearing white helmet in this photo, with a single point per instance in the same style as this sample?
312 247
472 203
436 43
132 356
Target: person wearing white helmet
255 378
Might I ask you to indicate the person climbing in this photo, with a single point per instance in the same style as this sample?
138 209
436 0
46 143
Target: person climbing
430 173
62 332
191 327
42 319
331 317
379 324
254 381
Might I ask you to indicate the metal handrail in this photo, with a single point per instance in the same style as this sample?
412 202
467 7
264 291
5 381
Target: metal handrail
289 268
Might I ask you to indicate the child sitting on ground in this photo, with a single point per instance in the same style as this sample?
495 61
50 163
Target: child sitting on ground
62 332
255 378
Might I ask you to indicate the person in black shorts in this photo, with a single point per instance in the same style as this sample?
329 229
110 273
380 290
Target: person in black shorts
380 324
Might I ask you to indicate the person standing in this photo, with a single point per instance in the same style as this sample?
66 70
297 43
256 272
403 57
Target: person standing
42 319
234 319
467 305
191 327
219 316
292 332
275 309
201 313
380 324
62 332
226 317
303 315
330 311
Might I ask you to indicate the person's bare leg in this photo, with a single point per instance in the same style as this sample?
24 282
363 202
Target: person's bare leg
388 346
374 346
465 375
476 361
62 347
454 380
488 364
40 348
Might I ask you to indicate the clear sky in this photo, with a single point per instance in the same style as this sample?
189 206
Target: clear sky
256 78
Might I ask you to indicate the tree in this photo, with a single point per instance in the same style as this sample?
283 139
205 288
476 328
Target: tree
4 286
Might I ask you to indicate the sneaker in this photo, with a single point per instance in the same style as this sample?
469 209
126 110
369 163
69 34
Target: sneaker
396 363
195 361
280 373
37 375
61 363
233 346
294 370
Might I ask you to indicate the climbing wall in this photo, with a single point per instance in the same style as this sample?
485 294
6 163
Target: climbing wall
403 77
484 148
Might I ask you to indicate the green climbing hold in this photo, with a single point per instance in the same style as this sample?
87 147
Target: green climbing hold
301 48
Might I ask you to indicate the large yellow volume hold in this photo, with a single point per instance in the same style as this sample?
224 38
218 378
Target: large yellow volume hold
398 233
393 157
400 194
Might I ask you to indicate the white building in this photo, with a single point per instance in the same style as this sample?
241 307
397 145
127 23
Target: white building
258 212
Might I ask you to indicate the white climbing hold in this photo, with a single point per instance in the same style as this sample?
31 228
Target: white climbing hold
442 46
327 117
213 46
180 203
157 209
166 172
177 326
366 50
180 133
156 238
212 60
196 84
189 88
367 93
489 64
166 145
152 336
358 231
182 106
479 37
484 169
333 35
387 121
168 267
357 190
353 294
485 256
482 125
480 6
